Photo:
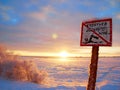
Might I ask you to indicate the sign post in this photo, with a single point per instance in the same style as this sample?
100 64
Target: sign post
93 68
95 33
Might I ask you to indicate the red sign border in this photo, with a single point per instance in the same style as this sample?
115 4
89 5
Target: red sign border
97 20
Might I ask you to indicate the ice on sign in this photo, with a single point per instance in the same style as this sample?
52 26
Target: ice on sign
97 32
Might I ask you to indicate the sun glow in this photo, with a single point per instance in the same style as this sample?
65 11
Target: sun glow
64 54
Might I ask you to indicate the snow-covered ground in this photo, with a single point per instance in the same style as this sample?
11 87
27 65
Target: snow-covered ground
70 74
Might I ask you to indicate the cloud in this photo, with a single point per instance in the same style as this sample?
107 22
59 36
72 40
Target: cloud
40 20
4 9
38 28
58 1
38 34
118 16
114 3
86 3
5 16
43 14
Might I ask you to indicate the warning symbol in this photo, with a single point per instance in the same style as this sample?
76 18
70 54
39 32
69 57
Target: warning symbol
96 33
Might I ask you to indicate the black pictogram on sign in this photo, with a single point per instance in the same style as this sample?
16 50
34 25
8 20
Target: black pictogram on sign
96 33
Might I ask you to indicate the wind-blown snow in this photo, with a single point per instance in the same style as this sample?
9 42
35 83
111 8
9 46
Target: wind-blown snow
71 74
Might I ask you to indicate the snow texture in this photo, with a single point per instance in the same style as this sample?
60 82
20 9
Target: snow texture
70 74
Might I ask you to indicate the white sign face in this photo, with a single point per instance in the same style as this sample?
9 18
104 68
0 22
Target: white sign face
96 33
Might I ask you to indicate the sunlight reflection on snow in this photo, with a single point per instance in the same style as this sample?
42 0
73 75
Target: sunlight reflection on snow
73 72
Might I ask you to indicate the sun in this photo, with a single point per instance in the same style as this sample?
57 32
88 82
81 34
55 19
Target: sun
64 54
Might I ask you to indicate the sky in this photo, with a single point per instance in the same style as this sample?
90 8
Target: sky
47 27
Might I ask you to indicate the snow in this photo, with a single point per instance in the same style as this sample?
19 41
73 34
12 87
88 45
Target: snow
71 74
17 85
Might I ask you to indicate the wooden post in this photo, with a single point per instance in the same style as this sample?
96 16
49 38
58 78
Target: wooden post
93 68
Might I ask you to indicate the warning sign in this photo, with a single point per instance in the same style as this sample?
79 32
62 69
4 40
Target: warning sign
96 33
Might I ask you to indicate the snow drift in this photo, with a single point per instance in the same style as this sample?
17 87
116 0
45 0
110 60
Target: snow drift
11 67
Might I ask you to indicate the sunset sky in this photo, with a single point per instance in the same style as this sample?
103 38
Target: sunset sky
48 27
